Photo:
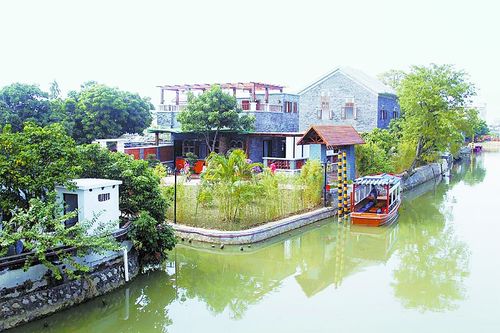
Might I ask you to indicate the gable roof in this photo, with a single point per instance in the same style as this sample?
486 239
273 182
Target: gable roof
331 135
358 76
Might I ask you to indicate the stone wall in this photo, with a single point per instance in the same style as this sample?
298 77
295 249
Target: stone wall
338 88
252 235
25 303
422 175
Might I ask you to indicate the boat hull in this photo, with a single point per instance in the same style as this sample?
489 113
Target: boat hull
374 219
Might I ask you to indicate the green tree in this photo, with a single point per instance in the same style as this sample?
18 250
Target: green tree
20 103
32 162
140 191
482 128
392 78
232 181
433 100
54 91
42 231
98 111
149 237
212 112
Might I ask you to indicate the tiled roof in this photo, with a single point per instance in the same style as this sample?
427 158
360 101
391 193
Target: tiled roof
358 76
332 135
382 179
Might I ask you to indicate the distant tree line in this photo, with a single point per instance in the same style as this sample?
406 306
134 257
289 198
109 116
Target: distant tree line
95 111
436 117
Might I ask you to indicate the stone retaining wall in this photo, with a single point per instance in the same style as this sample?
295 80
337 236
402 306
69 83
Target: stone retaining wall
252 235
422 175
23 304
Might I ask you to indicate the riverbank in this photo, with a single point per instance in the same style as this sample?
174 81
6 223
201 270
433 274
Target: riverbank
29 295
268 230
252 235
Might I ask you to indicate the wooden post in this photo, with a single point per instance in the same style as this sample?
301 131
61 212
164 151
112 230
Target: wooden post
177 97
266 98
344 172
254 99
162 96
234 92
340 207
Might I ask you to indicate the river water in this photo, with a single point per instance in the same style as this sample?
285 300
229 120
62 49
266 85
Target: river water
435 270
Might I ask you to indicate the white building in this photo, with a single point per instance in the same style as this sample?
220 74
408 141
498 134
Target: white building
92 197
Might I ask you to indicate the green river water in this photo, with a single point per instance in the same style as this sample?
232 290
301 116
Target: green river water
435 270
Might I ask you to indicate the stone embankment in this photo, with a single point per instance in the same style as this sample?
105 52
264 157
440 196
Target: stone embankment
34 299
252 235
424 174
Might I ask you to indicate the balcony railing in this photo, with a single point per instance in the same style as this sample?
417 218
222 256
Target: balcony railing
170 107
285 164
253 106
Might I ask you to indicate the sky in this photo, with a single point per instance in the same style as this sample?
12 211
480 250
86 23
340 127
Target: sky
137 45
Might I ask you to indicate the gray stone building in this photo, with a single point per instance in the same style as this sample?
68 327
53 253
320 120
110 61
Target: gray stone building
347 96
344 96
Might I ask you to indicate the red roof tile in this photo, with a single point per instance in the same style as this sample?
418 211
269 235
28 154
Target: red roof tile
332 135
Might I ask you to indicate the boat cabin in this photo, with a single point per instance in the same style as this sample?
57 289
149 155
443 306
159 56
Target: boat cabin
375 200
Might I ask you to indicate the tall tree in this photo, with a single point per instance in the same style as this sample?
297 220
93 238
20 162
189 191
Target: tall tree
212 112
98 111
32 162
433 100
20 103
54 91
392 77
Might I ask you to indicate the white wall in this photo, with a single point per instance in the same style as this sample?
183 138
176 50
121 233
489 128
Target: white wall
89 205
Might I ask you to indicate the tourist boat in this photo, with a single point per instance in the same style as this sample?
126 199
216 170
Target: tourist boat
375 200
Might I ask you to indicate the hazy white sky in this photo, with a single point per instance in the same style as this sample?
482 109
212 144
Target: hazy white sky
137 45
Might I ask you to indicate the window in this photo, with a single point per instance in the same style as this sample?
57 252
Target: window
349 109
383 114
295 107
236 144
188 146
395 113
325 104
104 197
288 107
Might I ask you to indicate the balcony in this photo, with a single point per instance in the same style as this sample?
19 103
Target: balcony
285 164
170 108
254 107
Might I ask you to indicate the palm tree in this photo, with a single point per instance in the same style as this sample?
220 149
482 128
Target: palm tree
231 179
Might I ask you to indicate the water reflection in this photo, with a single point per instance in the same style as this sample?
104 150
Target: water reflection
418 263
316 259
433 262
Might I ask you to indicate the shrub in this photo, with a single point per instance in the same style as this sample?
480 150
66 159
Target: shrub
149 237
311 177
40 228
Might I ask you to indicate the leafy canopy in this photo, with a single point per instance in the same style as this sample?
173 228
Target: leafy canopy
32 162
20 103
41 230
434 101
99 111
211 112
141 189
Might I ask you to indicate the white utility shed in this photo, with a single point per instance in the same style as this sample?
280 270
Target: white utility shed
92 197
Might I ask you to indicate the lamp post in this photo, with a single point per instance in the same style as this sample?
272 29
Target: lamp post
175 188
324 186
